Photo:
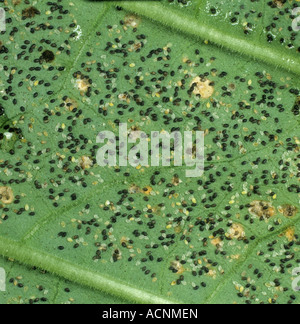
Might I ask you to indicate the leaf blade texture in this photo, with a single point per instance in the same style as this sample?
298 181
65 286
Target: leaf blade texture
149 235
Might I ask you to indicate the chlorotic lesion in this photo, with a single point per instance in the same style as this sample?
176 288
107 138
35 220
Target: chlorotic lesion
70 104
202 87
237 232
132 20
279 3
82 83
288 210
217 242
176 181
85 162
134 189
262 209
177 266
289 234
6 195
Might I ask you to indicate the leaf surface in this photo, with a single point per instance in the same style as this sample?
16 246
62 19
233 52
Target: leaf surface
149 234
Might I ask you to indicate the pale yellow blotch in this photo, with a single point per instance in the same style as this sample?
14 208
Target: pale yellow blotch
178 229
134 189
85 162
82 85
279 3
6 195
202 88
236 231
178 266
212 273
262 209
289 234
71 104
124 97
217 242
176 181
235 256
148 191
268 75
288 210
132 21
137 46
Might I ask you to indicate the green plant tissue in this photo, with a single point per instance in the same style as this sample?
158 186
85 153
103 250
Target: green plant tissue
75 231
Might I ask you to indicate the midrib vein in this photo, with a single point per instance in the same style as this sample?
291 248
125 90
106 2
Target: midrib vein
73 272
83 276
189 25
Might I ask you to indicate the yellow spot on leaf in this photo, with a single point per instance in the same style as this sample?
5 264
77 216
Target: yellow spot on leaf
217 242
132 21
71 104
202 87
279 3
236 231
6 195
288 210
85 162
262 209
178 229
176 181
289 234
178 266
148 191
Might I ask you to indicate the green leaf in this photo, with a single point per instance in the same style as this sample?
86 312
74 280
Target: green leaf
29 285
149 235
